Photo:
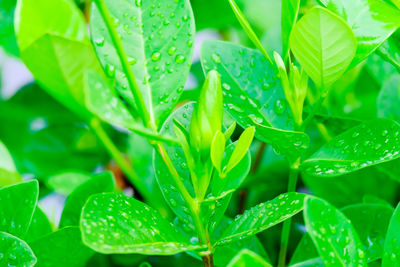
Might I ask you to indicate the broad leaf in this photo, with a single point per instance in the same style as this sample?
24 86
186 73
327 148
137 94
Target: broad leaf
372 21
253 96
289 13
333 235
40 226
324 45
371 222
248 258
15 252
262 217
17 204
99 183
113 223
365 145
158 40
392 243
66 182
8 173
305 253
389 99
63 248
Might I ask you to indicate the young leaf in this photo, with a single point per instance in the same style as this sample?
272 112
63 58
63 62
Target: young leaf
217 150
8 172
160 57
228 133
333 235
40 226
99 183
392 242
113 223
371 222
262 217
15 252
248 258
372 21
254 97
17 204
241 148
63 248
289 13
324 45
367 144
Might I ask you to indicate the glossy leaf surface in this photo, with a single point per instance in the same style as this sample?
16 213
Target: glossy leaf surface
333 235
324 45
15 252
150 31
21 197
392 242
128 226
39 227
365 145
8 172
248 258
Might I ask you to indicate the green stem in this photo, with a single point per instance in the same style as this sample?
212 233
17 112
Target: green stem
313 112
130 173
137 95
293 176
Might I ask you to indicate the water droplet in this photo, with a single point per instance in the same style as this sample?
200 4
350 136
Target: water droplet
280 106
180 59
156 56
138 3
216 58
99 41
172 50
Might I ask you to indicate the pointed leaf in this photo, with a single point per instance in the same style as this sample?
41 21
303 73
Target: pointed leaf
63 248
392 243
8 172
333 235
263 216
99 183
289 13
254 97
248 258
150 31
17 204
241 148
372 21
351 150
217 150
15 252
40 226
113 223
324 45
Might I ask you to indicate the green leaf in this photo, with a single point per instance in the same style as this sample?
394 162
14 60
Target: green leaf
113 223
389 99
371 222
7 34
324 45
372 21
159 48
305 253
254 97
99 183
241 148
392 242
289 13
333 235
63 248
262 217
18 203
54 47
390 51
40 226
248 258
8 173
217 150
66 182
15 252
365 145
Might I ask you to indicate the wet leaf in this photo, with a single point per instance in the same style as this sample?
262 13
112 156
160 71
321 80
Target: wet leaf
392 242
99 183
39 227
15 252
248 258
333 235
253 96
262 217
324 45
112 223
372 21
158 39
365 145
8 173
22 198
62 248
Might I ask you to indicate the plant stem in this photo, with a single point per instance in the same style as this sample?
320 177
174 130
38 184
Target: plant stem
293 176
130 173
313 112
137 95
